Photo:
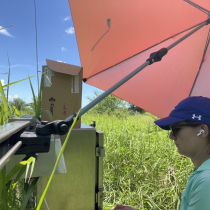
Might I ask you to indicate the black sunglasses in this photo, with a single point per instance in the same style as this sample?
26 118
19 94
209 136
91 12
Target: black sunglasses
176 127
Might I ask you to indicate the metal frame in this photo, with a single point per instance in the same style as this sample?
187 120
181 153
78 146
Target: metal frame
9 154
6 131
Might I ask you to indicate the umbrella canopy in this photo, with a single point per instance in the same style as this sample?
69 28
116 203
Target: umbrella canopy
115 37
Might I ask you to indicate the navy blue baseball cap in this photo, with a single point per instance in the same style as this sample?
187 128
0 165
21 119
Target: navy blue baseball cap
195 108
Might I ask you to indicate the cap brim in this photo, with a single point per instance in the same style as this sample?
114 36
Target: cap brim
165 123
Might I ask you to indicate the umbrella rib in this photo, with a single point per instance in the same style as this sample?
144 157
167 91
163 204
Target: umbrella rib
154 57
204 53
197 6
85 79
99 40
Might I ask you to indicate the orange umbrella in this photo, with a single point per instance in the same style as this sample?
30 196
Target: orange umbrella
115 37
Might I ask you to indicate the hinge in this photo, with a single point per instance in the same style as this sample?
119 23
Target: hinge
99 196
100 151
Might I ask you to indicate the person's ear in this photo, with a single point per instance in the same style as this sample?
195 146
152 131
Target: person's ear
204 131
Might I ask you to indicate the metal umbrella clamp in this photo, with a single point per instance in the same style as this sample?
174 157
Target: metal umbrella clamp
15 140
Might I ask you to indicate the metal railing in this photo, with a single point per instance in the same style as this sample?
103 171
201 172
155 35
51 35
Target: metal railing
6 131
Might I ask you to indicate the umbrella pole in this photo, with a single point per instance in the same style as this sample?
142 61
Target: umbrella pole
190 33
154 57
113 88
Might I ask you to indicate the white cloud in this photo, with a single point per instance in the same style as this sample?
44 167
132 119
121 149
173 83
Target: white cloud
2 82
60 61
11 97
63 49
70 30
5 32
67 18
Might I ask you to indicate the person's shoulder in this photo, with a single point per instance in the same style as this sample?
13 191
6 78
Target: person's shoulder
204 174
202 178
200 189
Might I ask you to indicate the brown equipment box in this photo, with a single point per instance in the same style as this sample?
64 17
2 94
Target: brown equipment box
61 90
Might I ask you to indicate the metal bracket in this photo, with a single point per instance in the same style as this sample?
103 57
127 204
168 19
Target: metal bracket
100 151
60 127
31 143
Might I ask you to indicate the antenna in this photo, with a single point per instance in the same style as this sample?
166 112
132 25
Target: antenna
6 27
36 45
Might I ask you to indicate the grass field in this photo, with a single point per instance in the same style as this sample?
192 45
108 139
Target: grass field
142 167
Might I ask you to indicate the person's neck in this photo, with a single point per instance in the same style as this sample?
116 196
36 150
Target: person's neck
198 161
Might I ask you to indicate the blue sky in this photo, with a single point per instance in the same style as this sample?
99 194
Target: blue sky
56 41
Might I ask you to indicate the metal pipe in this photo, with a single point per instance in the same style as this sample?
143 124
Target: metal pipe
197 6
6 27
9 154
187 35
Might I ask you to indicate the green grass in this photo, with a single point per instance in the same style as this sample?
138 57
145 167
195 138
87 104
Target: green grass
142 167
8 194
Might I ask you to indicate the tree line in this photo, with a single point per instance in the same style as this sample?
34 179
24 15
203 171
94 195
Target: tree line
112 104
109 105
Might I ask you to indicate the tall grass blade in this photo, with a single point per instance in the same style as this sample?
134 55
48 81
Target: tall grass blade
12 111
20 169
16 111
20 173
2 116
51 120
59 156
3 190
13 83
6 110
15 170
32 169
49 114
8 77
28 194
48 79
27 169
34 97
39 100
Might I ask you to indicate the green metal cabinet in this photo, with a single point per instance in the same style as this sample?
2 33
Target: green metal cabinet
81 188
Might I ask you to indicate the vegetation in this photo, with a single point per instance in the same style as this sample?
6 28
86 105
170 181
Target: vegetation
135 108
19 103
113 105
109 105
12 195
142 167
8 193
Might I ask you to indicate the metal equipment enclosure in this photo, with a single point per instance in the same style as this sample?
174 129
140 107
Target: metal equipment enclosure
82 186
